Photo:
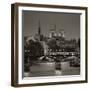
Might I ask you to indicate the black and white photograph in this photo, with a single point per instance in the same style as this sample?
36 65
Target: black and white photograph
49 44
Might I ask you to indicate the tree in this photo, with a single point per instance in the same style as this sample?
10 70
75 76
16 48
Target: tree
26 56
52 44
79 42
36 49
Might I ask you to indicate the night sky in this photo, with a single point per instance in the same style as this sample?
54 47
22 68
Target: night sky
70 23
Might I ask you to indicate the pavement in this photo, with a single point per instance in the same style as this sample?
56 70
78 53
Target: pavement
70 71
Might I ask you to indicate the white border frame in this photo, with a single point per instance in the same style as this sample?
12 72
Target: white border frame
33 80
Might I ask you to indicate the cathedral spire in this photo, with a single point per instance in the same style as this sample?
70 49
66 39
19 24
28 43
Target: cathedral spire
39 29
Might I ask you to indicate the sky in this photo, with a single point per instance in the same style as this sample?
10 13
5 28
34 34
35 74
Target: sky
69 22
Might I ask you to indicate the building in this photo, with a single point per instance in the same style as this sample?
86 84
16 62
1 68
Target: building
56 43
53 32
